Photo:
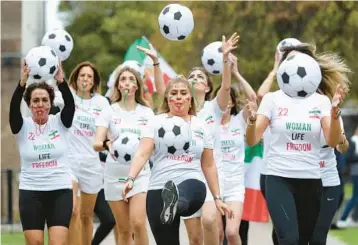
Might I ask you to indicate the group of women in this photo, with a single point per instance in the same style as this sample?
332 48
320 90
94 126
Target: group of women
196 143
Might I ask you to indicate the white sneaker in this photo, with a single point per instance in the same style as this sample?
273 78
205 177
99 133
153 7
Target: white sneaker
342 224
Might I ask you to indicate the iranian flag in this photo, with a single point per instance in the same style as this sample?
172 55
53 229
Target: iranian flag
255 208
134 54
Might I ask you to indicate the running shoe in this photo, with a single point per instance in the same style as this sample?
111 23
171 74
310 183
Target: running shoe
170 196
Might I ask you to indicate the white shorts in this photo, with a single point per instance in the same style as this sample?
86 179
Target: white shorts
234 192
88 174
113 187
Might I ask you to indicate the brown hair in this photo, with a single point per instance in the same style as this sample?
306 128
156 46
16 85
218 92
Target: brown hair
40 85
164 108
235 98
334 69
97 78
116 95
208 79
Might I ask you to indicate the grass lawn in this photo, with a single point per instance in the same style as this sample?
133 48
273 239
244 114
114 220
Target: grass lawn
349 236
16 238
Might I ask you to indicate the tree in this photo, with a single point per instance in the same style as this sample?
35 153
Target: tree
102 32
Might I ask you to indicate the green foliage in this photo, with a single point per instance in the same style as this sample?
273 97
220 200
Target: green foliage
102 32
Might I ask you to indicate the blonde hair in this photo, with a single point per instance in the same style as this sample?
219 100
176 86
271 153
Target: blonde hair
116 95
333 67
164 108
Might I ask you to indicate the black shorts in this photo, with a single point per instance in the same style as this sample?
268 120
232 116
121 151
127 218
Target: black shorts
38 207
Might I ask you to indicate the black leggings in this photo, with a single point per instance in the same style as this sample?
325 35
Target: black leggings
263 189
243 231
192 195
38 207
329 205
294 206
104 213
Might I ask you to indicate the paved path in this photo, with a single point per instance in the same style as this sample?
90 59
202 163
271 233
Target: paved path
259 234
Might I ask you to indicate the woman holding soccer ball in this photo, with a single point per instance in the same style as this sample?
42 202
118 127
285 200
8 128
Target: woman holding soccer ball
123 122
85 164
211 111
232 142
45 183
333 73
293 171
176 186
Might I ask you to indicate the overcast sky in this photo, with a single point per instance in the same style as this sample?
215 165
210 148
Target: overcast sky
53 21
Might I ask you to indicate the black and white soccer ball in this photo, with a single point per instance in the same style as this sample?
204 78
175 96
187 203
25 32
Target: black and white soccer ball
42 62
287 42
176 22
173 136
299 75
125 147
61 41
212 58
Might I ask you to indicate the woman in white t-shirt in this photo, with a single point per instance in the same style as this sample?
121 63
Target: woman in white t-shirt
203 224
45 182
232 146
128 115
232 143
293 185
182 151
85 164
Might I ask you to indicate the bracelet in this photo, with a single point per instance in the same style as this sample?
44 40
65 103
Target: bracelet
155 64
336 114
105 146
130 179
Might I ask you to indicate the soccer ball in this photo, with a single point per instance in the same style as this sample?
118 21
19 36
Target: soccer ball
299 75
173 136
125 147
212 58
287 42
176 22
42 62
135 65
61 41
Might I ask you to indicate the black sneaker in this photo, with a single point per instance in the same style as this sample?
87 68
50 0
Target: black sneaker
170 201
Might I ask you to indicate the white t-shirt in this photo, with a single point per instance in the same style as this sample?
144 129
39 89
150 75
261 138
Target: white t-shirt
233 146
83 130
266 149
177 152
295 128
44 162
125 129
212 114
328 162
